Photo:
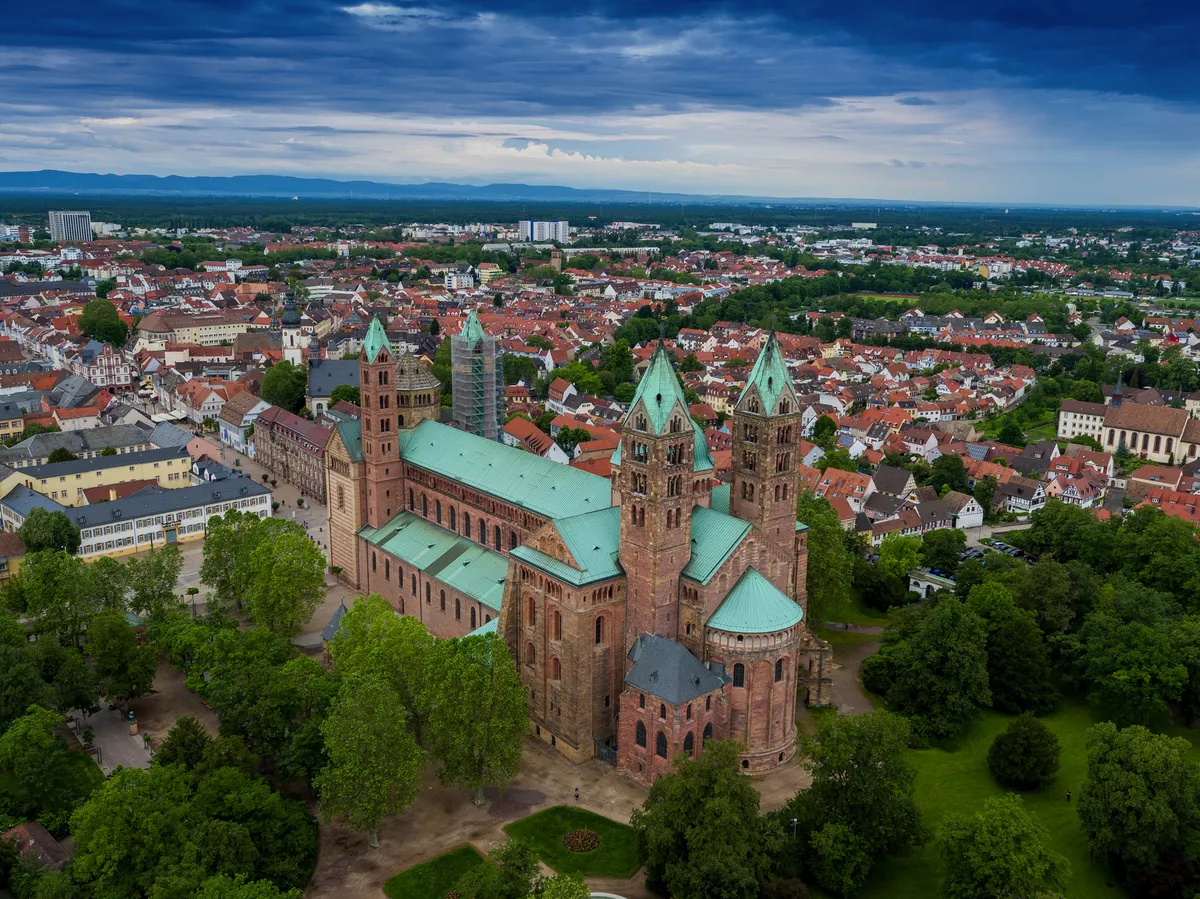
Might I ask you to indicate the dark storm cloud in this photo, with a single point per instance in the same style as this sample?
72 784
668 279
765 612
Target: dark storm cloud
527 58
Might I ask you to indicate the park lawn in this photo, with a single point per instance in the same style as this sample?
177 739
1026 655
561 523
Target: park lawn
852 611
957 779
616 856
436 877
840 639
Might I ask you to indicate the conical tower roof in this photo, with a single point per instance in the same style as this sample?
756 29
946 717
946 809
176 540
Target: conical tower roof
659 390
472 330
769 376
376 339
412 375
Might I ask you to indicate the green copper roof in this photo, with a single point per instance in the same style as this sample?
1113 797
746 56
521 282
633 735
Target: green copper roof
471 329
375 340
594 542
755 606
351 434
457 562
715 536
769 375
484 629
659 391
504 472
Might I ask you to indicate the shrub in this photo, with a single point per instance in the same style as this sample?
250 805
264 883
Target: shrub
1025 755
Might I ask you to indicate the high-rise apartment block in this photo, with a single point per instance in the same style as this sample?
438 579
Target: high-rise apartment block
543 231
70 225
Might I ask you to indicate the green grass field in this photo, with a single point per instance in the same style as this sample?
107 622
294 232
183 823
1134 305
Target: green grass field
852 610
1042 427
958 780
616 856
436 877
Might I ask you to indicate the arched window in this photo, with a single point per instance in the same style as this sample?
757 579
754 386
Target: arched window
512 539
453 519
341 497
640 735
427 593
496 537
387 569
707 733
532 610
530 653
437 510
373 561
689 712
708 703
472 618
662 711
467 525
555 669
442 600
599 631
556 625
414 585
778 670
688 743
739 675
424 505
660 745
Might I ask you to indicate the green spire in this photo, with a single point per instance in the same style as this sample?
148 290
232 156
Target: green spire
376 340
769 375
471 330
659 390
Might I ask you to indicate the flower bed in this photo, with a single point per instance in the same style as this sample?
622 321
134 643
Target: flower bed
582 840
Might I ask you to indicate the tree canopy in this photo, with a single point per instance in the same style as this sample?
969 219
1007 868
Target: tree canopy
285 385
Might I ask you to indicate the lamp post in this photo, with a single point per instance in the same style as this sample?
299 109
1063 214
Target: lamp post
795 821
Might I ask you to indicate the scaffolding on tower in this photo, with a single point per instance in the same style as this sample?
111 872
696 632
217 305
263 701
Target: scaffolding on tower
477 377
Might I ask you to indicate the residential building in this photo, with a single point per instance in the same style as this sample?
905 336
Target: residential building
152 517
68 225
65 482
236 421
293 449
540 232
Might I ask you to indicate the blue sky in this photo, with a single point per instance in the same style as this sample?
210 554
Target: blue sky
1057 101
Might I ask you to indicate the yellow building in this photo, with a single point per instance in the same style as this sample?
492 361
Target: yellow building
64 482
11 420
12 553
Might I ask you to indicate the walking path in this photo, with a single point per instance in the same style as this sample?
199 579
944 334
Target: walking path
114 745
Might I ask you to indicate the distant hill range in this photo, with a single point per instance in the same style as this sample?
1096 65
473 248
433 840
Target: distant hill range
57 182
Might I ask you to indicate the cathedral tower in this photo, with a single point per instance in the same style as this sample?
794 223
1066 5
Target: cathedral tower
654 484
766 447
478 380
380 422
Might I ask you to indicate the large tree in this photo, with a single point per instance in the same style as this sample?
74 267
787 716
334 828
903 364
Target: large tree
153 579
374 765
1140 798
948 473
185 743
1018 661
285 385
1025 755
898 555
43 530
345 393
35 758
830 562
999 851
476 744
933 668
100 321
862 789
125 668
373 639
61 595
699 831
288 582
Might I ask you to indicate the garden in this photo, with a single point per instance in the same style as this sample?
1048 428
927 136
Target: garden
574 842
